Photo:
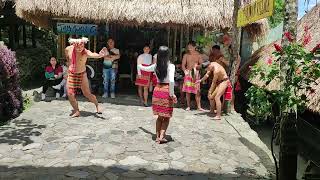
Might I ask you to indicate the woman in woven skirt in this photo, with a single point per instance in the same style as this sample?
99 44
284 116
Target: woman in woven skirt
163 96
143 80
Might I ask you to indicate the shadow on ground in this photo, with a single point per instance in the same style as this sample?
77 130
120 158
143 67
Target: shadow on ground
264 157
154 136
21 133
114 172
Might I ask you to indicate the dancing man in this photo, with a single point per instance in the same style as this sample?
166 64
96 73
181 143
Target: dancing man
190 62
218 87
163 95
77 56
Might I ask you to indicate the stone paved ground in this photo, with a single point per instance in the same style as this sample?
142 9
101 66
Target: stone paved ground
44 143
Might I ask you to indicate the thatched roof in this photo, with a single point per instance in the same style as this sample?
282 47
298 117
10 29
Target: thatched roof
204 13
313 21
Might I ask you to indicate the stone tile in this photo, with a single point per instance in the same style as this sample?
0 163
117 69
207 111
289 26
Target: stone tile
133 161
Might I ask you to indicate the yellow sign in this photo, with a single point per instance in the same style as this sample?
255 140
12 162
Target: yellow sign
252 12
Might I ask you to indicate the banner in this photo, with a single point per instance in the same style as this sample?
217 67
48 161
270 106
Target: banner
77 29
254 11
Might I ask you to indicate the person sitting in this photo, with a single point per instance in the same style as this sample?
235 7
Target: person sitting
53 74
63 83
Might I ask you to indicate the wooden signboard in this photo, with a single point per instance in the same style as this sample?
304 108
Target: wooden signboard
254 11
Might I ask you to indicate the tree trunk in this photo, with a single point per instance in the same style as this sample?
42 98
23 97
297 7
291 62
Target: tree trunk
288 131
235 47
288 148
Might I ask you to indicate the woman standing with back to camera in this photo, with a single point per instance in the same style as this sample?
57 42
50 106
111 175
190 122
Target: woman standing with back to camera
163 96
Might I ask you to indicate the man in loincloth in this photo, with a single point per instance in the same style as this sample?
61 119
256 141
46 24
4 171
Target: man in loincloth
191 60
77 56
218 87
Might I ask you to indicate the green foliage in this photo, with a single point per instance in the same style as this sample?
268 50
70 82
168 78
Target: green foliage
31 64
278 14
298 72
202 41
259 105
26 102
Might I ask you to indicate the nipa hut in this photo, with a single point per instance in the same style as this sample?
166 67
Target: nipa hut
312 20
204 13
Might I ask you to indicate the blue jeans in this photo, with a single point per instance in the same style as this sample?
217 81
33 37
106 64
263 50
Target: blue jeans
109 75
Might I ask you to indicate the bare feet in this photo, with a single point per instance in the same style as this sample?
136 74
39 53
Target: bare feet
188 109
213 112
99 111
217 118
75 114
200 109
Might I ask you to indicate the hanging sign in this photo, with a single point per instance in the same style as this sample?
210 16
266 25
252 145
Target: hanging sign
77 29
254 11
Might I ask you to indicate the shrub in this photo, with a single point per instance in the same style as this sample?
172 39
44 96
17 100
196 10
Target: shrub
31 63
11 103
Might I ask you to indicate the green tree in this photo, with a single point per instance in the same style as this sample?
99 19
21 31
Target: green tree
278 14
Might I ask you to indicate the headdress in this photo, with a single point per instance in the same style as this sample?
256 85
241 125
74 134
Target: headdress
82 40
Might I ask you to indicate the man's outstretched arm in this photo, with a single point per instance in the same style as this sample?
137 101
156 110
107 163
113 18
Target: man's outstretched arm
94 55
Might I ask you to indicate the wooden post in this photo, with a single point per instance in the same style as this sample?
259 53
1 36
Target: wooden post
24 36
60 53
95 43
175 44
89 43
17 35
181 43
12 42
168 37
188 34
33 37
193 32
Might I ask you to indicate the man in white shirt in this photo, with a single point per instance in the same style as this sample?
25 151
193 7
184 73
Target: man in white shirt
110 68
143 81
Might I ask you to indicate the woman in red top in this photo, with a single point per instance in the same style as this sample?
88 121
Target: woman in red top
53 74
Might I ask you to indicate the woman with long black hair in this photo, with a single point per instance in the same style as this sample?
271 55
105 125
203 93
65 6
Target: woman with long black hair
163 96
